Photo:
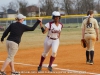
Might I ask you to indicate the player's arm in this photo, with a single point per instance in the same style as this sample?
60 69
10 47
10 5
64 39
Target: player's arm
97 33
27 28
96 29
5 33
44 30
59 35
83 29
83 32
60 32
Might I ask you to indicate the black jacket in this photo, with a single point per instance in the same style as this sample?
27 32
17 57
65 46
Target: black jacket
16 30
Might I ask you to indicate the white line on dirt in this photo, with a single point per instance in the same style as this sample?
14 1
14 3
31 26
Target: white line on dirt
54 65
22 64
76 71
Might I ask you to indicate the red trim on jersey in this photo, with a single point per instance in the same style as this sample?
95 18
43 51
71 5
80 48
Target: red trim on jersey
50 24
53 22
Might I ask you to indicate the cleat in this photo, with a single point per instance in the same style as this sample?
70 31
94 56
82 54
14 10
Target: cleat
88 62
15 73
91 63
50 68
39 68
2 73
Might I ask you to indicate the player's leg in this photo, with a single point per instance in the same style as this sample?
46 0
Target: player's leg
12 52
92 43
13 48
55 45
6 62
87 57
12 66
47 46
87 51
3 67
91 57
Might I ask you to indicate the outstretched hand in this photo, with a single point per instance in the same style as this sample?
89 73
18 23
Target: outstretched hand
40 22
40 19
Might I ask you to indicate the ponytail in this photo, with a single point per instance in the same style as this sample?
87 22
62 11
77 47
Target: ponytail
88 21
90 12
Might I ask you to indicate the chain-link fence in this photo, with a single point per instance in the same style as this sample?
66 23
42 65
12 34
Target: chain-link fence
68 21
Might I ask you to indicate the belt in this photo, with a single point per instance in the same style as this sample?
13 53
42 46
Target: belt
88 33
52 38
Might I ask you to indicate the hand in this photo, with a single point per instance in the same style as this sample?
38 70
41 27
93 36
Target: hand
2 40
40 20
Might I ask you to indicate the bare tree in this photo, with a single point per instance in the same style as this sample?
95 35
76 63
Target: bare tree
68 6
47 6
57 3
4 8
12 5
86 5
22 6
76 7
97 5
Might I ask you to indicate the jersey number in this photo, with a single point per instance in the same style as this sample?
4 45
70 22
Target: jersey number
89 25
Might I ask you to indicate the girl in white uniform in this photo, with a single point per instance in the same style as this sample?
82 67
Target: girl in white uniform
52 39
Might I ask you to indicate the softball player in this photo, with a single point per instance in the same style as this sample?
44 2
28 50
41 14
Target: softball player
52 39
90 32
16 30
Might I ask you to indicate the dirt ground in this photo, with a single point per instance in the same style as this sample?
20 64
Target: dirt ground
70 60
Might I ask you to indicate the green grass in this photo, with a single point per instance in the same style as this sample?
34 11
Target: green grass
36 38
73 24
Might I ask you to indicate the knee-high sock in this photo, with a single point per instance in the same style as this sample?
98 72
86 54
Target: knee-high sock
91 55
87 55
51 60
42 60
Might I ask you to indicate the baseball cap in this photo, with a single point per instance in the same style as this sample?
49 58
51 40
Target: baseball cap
20 16
55 13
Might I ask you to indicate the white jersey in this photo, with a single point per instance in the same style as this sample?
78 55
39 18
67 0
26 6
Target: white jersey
54 31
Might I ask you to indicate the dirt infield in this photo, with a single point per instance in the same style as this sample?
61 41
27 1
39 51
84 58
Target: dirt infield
70 60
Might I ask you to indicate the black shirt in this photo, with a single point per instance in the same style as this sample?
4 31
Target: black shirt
16 30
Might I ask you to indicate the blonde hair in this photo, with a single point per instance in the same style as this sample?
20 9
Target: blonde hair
17 19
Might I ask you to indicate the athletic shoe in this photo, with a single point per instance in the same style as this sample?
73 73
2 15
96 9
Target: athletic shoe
88 62
39 68
2 73
91 62
50 68
15 73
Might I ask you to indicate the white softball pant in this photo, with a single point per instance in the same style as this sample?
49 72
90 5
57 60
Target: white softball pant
50 43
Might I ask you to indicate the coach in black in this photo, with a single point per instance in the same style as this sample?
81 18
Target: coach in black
16 30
